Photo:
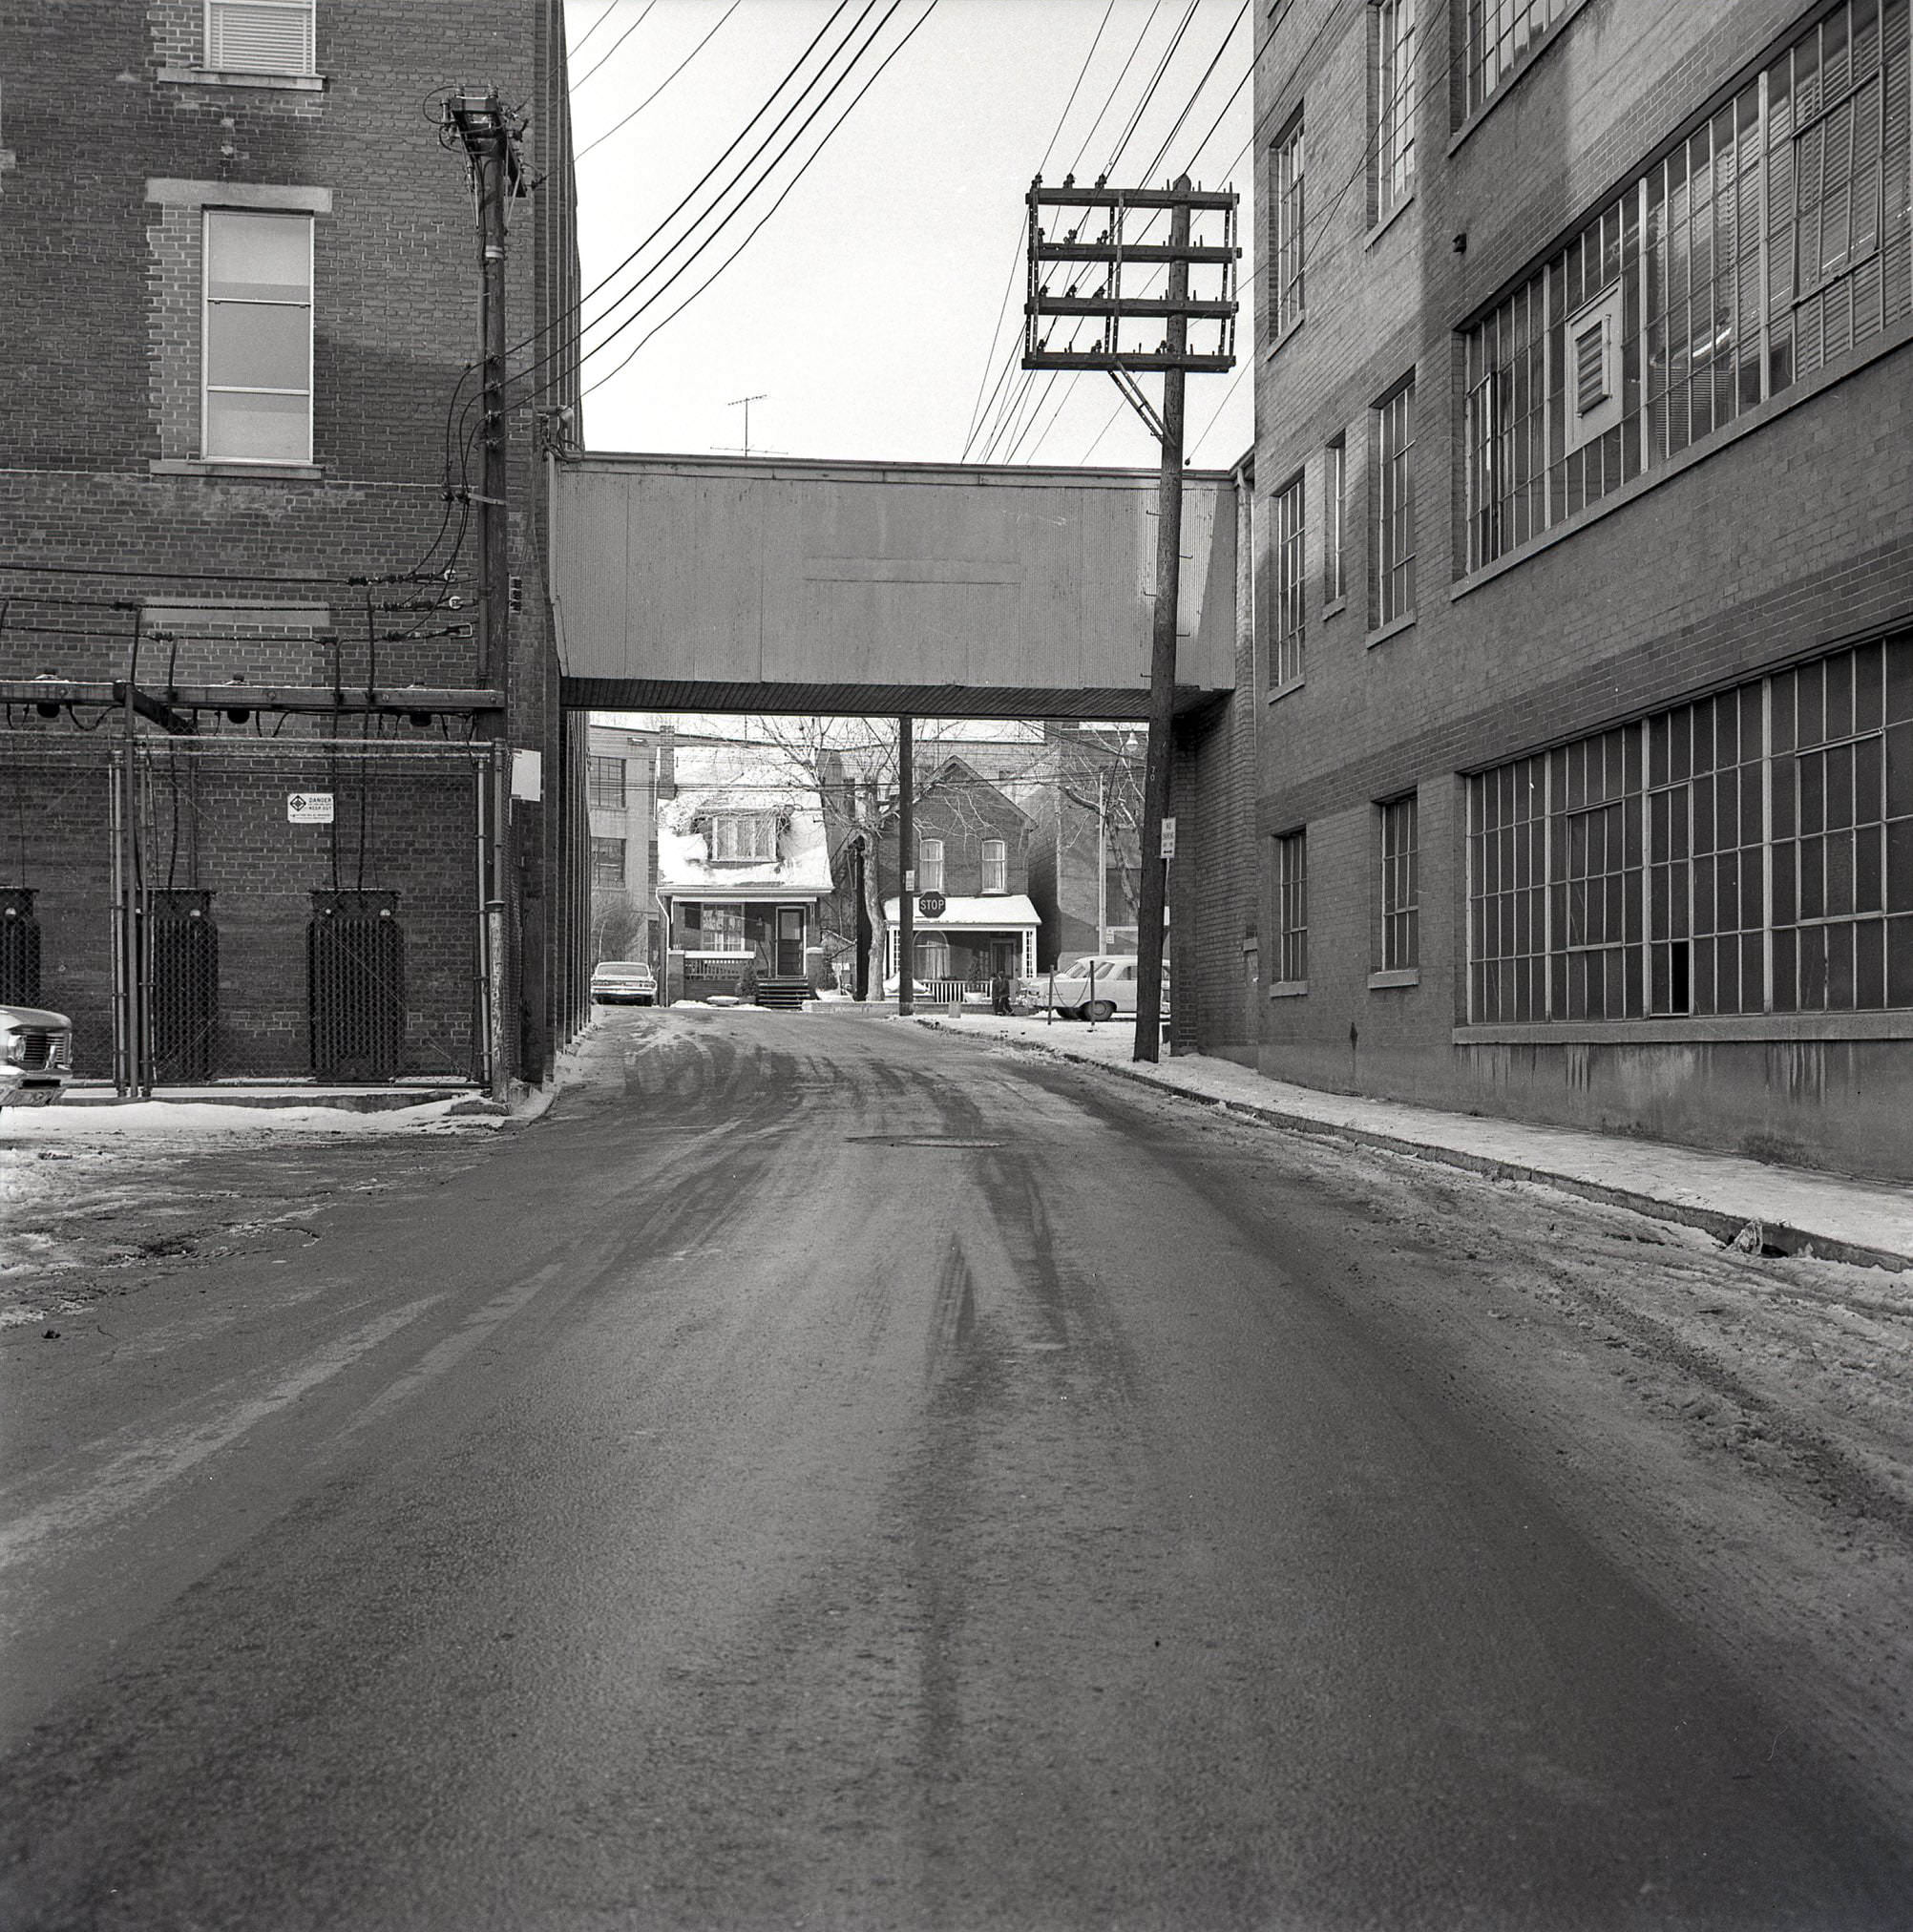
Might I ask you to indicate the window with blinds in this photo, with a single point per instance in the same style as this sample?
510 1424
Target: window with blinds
260 36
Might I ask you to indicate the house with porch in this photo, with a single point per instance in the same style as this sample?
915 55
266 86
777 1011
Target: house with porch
972 852
743 870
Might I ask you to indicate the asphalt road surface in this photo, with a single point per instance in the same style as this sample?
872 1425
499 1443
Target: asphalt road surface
828 1473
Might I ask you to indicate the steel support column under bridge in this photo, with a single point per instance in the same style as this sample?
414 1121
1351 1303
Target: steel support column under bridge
943 590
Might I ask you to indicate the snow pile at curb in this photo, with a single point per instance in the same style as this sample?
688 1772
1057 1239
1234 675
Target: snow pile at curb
200 1119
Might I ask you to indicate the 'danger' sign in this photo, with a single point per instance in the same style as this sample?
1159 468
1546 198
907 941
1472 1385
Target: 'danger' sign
308 807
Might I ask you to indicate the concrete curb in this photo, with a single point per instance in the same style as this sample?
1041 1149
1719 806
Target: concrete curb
1725 1228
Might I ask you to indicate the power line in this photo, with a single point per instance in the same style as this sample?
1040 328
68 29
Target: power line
610 8
1150 92
578 80
660 87
1142 34
802 171
1148 172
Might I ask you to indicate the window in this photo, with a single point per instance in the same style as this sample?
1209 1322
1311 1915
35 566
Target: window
1291 906
996 866
1679 306
607 862
259 37
1392 542
257 345
607 784
1748 853
744 835
933 956
720 930
1285 249
1501 35
1400 947
930 864
1335 520
1285 646
1393 142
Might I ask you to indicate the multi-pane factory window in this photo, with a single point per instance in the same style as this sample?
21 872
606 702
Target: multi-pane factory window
1285 245
1392 542
1748 853
607 862
1400 901
1500 35
1335 520
1285 645
606 779
1393 142
1291 906
1773 238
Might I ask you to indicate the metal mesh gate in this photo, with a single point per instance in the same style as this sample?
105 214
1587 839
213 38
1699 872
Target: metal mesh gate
298 908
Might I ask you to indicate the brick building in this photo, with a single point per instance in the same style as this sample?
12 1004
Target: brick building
628 772
1583 684
972 846
242 289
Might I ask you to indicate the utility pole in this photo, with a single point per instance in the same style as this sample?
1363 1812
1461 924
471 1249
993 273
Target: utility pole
906 865
488 133
1109 251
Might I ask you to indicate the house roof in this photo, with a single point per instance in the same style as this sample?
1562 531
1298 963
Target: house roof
801 870
993 912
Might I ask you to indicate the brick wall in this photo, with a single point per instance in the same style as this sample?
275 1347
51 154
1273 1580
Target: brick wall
1783 537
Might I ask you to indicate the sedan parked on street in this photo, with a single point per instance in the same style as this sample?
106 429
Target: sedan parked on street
625 979
36 1055
1098 987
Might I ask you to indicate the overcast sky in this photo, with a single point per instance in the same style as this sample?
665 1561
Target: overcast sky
865 312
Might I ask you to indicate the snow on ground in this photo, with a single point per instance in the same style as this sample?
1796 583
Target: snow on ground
196 1120
1869 1214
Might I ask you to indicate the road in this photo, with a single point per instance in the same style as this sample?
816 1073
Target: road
828 1473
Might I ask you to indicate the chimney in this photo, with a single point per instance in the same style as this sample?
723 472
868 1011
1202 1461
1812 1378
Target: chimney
667 761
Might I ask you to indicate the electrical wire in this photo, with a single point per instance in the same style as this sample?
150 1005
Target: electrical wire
1149 93
909 35
577 80
1168 139
663 84
1142 34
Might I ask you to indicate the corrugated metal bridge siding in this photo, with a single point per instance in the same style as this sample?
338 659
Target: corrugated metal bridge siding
949 591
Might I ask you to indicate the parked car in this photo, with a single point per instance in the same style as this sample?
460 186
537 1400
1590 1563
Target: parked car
36 1055
1097 987
626 979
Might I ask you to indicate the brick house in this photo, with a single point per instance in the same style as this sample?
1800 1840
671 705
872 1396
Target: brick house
243 297
972 846
1581 716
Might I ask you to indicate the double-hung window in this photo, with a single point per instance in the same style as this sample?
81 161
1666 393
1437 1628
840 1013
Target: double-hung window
606 777
1335 520
1392 145
1284 654
1285 251
1501 35
996 866
930 864
257 344
1291 907
1391 540
1400 948
260 36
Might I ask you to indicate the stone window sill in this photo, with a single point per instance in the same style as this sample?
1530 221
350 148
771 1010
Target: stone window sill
209 76
1382 633
1692 1028
1334 608
1395 977
245 472
1388 220
1288 335
1276 691
1288 989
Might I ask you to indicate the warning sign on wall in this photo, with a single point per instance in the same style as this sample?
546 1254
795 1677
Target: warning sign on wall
308 807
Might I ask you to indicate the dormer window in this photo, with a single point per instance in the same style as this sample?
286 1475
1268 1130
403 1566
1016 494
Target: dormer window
744 835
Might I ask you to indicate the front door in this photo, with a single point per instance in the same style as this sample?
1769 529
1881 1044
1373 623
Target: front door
790 942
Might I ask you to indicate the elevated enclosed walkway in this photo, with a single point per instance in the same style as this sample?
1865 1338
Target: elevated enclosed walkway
744 585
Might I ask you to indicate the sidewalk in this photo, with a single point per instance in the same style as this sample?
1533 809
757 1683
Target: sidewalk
1793 1209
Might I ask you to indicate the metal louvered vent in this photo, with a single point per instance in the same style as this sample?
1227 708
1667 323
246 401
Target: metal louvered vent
355 980
260 36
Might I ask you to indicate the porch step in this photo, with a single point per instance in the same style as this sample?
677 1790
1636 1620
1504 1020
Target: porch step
786 995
